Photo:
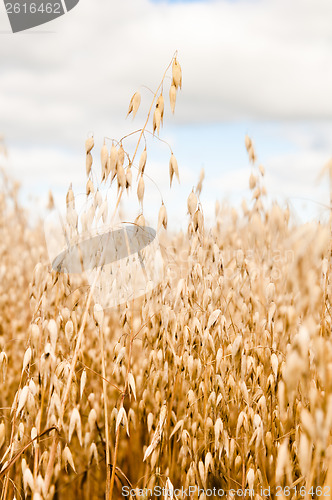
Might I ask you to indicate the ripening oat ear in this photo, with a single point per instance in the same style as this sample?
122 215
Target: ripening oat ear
68 458
156 120
248 143
113 158
262 170
172 97
103 159
200 182
192 203
70 198
142 163
121 176
82 383
134 104
252 181
22 399
198 220
140 220
121 157
176 74
173 169
158 433
252 156
27 358
75 423
28 480
250 149
161 105
50 204
129 177
162 217
89 143
140 190
89 187
88 163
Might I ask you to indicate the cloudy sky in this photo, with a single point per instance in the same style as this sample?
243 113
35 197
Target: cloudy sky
257 67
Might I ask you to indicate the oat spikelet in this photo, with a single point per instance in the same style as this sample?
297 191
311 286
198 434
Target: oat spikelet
248 143
134 104
113 158
172 97
22 399
173 168
82 383
70 198
120 416
176 74
132 385
200 182
140 220
140 190
142 162
75 423
251 478
121 176
156 120
28 480
129 177
169 489
50 204
252 156
252 181
162 217
198 220
89 143
192 203
92 419
88 164
68 458
213 318
121 156
89 187
161 106
27 358
158 432
103 159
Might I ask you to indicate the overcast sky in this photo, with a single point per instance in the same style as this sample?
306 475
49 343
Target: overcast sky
249 66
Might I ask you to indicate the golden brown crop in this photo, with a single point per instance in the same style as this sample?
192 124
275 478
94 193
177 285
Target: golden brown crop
220 377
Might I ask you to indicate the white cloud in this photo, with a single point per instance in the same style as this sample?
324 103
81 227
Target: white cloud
256 59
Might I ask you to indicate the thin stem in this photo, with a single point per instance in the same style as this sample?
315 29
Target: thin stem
98 375
161 140
108 458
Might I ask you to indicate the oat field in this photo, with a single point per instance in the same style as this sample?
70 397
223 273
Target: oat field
217 382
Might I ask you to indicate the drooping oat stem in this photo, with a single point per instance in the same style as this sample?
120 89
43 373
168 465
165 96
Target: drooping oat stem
143 129
107 440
